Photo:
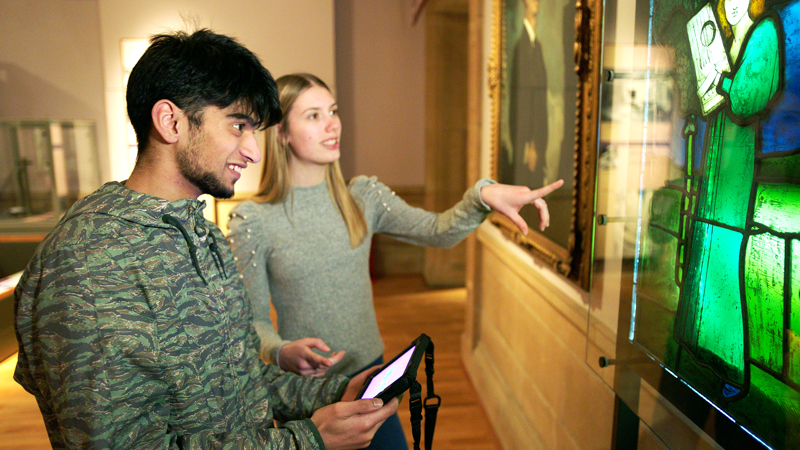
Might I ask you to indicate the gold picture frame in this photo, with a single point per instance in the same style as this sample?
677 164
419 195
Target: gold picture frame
569 254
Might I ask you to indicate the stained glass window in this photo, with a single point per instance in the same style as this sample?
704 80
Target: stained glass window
716 233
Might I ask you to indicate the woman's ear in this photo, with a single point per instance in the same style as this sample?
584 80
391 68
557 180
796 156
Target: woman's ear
166 118
281 137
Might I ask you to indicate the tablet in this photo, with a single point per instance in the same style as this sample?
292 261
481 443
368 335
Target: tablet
397 375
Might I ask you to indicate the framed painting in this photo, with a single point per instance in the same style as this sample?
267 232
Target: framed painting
544 81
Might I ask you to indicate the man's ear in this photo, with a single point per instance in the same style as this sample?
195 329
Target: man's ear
166 120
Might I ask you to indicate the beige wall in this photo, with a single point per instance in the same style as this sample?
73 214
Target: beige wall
61 58
380 66
527 353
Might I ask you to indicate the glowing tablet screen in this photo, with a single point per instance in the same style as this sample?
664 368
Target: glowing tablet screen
388 374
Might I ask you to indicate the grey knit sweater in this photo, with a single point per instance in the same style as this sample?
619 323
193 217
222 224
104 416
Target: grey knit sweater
298 253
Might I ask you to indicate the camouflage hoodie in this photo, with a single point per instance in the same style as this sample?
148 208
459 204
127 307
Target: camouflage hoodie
134 332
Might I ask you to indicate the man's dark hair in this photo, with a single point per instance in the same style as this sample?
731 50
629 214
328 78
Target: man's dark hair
195 71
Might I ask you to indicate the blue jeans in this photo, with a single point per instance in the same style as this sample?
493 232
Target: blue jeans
390 435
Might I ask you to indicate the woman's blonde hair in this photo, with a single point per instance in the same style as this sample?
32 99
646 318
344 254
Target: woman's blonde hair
276 184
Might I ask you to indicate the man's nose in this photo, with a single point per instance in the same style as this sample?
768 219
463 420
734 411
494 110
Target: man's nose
250 149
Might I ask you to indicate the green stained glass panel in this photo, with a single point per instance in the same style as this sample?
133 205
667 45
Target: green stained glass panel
778 206
793 333
764 293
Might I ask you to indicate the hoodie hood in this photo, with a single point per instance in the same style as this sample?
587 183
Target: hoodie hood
185 216
114 199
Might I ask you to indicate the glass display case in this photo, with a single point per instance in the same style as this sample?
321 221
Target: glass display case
46 166
696 270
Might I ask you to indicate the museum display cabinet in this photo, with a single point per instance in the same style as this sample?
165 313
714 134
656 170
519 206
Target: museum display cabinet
45 166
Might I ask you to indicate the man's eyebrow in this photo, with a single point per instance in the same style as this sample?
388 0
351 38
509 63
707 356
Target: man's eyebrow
242 116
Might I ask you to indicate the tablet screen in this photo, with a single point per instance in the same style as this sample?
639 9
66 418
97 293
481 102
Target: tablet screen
388 374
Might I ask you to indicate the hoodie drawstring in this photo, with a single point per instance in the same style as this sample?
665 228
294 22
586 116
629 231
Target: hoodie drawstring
166 218
217 255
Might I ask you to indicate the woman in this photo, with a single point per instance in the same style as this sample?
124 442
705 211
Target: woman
304 240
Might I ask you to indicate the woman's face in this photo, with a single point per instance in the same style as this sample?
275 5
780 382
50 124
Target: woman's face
313 128
736 10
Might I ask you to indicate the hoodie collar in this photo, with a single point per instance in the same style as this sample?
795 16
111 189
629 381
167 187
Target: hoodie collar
113 198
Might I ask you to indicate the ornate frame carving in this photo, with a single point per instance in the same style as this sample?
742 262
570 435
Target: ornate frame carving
575 261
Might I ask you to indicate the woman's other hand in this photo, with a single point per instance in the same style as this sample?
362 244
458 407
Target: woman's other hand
299 357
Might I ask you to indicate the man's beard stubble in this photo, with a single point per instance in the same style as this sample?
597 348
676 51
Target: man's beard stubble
206 181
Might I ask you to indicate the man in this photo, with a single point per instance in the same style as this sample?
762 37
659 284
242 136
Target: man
133 325
528 118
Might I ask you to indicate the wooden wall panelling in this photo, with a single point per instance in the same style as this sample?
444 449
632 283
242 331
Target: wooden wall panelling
528 357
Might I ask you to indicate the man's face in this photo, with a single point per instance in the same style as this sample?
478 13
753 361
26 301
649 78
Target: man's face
218 150
532 8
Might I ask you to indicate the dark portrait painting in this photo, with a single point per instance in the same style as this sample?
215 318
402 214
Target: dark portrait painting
538 91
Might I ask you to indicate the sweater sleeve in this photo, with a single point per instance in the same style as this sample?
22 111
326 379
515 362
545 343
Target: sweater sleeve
251 256
393 217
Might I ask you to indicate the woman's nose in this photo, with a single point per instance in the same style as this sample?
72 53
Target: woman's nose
334 123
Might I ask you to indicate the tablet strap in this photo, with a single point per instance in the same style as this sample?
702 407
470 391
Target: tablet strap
432 402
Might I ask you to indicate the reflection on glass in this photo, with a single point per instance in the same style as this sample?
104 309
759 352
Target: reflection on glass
702 112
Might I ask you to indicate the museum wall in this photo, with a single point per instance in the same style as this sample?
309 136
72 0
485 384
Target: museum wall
65 60
62 59
526 353
380 71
